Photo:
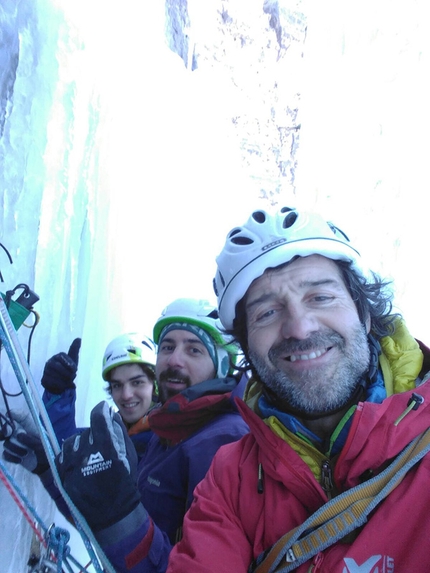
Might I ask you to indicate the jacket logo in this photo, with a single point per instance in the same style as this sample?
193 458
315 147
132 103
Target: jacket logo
375 564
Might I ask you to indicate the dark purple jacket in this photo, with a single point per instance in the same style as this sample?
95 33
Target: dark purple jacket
188 431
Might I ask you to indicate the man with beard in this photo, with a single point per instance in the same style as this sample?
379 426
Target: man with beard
198 414
338 391
136 507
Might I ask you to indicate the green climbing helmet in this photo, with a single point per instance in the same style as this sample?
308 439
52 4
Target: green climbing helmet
200 313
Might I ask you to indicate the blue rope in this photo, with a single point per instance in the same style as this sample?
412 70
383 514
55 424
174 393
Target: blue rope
57 538
24 499
80 522
57 543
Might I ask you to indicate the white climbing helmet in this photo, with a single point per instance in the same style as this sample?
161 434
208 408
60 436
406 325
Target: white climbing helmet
130 348
200 313
268 240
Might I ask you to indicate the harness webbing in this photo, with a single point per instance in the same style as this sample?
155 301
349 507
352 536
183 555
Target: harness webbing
341 515
37 409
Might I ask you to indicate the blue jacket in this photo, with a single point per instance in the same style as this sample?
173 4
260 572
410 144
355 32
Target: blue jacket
61 412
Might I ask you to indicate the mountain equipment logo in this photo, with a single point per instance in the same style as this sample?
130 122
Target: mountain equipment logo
95 459
375 564
96 463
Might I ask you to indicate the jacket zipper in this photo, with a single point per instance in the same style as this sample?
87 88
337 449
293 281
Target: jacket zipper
327 478
260 483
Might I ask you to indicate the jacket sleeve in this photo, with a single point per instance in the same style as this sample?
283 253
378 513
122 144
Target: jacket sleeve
61 412
136 544
133 545
213 537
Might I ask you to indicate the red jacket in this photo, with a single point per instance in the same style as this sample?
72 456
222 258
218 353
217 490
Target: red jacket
230 523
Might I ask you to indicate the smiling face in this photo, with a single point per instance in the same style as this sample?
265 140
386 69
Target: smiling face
304 335
131 390
182 361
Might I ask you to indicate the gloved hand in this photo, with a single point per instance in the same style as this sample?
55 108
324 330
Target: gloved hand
24 446
98 469
60 370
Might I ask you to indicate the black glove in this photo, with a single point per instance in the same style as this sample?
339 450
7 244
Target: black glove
24 446
98 469
60 370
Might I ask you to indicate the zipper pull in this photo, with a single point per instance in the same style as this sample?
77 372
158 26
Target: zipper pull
326 477
414 402
260 486
316 563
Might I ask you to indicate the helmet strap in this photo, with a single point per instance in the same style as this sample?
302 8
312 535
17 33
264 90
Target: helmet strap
223 362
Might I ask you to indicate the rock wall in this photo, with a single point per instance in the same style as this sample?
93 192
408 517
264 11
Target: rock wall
249 56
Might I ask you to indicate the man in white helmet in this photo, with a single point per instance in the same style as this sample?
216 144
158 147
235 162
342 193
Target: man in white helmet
128 367
129 370
337 393
136 510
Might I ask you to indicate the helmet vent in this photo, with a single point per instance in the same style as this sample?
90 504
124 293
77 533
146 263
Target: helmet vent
290 219
213 314
259 216
241 240
234 232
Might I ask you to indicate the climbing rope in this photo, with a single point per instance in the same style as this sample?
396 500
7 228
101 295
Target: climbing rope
55 539
19 498
40 417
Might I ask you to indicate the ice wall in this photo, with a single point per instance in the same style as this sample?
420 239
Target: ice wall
123 167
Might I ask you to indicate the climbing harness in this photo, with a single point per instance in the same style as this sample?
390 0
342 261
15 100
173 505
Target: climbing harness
56 554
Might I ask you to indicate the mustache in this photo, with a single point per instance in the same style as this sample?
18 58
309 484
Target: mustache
316 340
173 373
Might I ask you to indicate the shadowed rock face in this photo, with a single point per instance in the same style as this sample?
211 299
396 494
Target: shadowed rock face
253 53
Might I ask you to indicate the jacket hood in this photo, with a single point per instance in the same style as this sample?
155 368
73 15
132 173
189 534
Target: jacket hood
401 359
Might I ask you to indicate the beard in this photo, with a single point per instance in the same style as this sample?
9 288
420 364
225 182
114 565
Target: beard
315 390
167 375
